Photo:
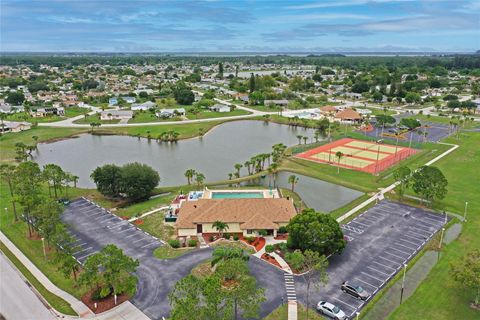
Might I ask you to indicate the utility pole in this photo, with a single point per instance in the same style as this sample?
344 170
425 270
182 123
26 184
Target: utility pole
464 212
403 282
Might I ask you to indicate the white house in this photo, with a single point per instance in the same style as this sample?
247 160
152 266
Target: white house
14 126
116 115
143 106
112 101
220 108
169 113
129 99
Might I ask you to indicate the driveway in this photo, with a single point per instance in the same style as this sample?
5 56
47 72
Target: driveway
380 241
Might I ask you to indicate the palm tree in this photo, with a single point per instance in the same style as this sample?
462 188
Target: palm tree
189 174
230 176
35 139
238 166
199 178
75 180
225 253
3 116
220 226
247 165
273 169
299 137
149 136
305 140
293 180
339 156
201 132
7 173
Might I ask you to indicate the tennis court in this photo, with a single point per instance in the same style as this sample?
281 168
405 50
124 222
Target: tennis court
360 155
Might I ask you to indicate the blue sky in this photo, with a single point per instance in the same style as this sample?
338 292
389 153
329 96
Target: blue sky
236 26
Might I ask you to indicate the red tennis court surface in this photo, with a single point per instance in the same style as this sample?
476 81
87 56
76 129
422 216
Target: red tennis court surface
359 155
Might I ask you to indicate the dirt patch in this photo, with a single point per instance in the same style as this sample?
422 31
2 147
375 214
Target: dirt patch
281 236
103 304
258 243
138 222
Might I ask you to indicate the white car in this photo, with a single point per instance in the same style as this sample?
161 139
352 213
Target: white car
331 310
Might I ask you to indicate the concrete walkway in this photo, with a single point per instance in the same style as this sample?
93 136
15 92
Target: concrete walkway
148 213
124 311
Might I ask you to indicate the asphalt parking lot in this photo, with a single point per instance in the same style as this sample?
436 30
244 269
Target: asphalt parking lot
93 227
380 241
435 132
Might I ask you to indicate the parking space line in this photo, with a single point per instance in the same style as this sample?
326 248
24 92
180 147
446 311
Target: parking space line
362 224
394 262
427 223
372 268
121 231
380 264
423 228
407 241
343 302
141 238
108 219
87 255
370 219
131 235
149 244
369 275
422 236
428 232
394 255
407 247
368 284
407 253
88 248
414 238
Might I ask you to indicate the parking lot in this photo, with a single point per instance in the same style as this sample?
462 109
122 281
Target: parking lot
380 241
93 227
435 132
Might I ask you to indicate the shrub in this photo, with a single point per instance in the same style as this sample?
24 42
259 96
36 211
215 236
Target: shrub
263 233
174 243
250 239
192 243
226 235
211 238
236 237
269 248
282 230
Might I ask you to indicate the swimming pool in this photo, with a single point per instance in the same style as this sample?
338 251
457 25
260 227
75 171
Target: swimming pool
237 195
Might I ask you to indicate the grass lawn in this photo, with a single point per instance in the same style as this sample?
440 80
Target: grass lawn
281 313
167 252
147 116
206 114
444 120
263 108
439 297
139 208
56 302
234 244
70 112
155 225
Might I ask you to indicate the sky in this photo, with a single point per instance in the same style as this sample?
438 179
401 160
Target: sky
239 26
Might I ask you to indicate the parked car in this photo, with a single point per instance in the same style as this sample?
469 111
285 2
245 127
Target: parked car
355 290
331 310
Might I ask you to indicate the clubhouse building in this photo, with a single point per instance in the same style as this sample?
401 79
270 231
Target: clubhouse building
244 216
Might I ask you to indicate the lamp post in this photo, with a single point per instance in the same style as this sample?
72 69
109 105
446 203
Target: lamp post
464 212
441 239
44 251
403 282
358 314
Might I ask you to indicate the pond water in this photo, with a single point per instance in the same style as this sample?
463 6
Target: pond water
214 155
317 194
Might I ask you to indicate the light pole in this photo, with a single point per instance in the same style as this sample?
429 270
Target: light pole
441 239
464 213
403 282
358 314
44 251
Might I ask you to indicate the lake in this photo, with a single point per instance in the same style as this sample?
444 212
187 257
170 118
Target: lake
214 155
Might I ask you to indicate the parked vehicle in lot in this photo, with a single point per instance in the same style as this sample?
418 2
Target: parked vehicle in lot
355 290
331 310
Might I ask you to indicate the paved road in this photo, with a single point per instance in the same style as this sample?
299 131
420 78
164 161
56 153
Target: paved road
17 300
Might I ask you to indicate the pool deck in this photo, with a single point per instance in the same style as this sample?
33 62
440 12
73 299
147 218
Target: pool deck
267 193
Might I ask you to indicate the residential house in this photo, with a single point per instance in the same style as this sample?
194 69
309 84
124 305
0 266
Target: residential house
219 108
14 126
243 216
129 99
48 111
143 106
278 103
170 113
116 115
112 101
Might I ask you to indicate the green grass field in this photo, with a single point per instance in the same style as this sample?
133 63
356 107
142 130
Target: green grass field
439 297
94 118
70 112
281 313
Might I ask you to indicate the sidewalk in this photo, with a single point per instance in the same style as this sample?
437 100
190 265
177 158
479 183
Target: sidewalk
124 311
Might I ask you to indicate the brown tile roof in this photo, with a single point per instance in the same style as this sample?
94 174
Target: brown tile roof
328 109
348 114
250 213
